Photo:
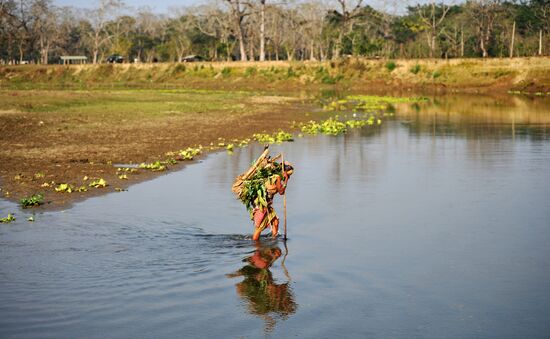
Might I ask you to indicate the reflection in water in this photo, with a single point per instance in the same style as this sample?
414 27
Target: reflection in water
483 118
263 296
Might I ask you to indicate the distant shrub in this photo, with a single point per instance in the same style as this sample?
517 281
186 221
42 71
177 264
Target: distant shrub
359 66
415 69
331 80
290 73
391 65
180 68
250 71
436 74
226 71
500 73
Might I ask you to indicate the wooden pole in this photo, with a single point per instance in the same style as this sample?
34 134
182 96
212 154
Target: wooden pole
284 195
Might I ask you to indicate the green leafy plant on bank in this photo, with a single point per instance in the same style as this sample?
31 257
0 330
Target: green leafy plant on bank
33 200
7 219
275 138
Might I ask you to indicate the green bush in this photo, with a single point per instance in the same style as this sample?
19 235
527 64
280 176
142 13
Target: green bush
226 71
180 68
250 71
390 65
436 74
415 69
290 73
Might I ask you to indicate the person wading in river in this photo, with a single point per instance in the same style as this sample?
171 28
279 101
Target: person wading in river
257 187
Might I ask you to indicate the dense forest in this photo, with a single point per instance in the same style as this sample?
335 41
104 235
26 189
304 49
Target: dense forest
37 31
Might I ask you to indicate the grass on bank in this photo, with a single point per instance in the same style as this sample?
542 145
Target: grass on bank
514 74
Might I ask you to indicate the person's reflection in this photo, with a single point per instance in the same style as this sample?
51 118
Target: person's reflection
263 296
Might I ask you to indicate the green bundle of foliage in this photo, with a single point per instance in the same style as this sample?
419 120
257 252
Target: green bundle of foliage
254 192
391 65
34 200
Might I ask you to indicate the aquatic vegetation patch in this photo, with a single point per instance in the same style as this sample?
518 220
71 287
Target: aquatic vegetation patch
7 219
64 188
368 103
331 126
275 138
189 153
335 126
99 183
156 166
33 200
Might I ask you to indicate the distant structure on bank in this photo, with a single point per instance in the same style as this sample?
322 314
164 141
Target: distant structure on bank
71 59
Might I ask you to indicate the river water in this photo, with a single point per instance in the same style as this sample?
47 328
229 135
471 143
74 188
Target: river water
435 224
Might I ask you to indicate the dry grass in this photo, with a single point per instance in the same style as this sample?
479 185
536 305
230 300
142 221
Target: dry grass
524 74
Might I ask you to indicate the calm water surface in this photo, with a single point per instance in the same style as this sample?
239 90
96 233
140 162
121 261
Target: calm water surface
436 224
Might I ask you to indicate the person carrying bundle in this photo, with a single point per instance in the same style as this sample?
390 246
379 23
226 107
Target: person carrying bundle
257 187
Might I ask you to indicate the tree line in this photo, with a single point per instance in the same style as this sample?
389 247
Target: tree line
37 31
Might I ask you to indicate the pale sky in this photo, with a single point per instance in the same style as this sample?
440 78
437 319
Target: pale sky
157 6
164 6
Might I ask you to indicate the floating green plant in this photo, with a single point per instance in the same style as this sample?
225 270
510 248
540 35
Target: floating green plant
33 200
333 125
277 137
98 183
368 103
156 166
64 188
189 153
7 219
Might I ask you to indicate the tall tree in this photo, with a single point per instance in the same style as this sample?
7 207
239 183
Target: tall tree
99 18
432 15
347 13
239 11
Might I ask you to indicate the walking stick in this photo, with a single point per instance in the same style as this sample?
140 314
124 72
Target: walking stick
284 195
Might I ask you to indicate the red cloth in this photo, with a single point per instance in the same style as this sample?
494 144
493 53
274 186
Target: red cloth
259 215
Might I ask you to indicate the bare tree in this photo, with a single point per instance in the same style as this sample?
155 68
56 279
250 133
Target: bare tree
484 14
542 12
432 15
149 29
313 14
44 26
239 11
350 10
214 22
99 18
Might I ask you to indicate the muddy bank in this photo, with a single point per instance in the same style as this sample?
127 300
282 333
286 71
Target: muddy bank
74 142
